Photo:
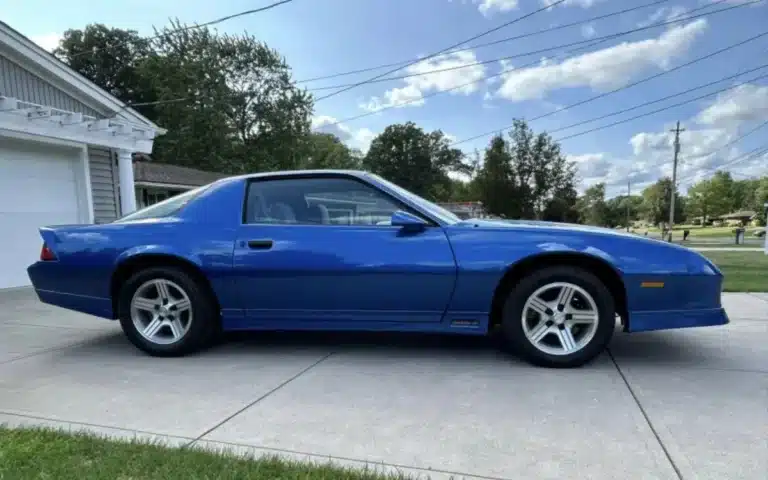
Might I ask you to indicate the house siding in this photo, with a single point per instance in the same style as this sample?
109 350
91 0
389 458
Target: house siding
104 184
18 82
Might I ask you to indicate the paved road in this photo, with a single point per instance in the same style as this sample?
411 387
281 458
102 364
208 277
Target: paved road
681 404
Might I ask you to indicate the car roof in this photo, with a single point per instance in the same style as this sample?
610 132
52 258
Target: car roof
296 173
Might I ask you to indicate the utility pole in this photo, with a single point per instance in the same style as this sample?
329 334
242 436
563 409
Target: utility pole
676 131
629 193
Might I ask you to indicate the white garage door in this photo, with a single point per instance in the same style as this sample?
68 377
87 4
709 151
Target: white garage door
38 186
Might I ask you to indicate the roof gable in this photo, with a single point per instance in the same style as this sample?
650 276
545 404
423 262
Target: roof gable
44 64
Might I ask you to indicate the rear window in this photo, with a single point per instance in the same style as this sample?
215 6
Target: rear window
165 208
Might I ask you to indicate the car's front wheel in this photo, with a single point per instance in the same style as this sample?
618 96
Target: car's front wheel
165 312
559 317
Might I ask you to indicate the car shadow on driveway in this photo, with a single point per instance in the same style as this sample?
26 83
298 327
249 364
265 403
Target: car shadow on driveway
652 348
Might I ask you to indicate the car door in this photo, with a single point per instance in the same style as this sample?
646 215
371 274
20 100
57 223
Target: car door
320 249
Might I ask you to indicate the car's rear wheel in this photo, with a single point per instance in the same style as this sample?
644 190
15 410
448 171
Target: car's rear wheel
559 317
165 312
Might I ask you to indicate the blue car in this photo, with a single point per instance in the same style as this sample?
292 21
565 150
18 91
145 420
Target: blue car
349 250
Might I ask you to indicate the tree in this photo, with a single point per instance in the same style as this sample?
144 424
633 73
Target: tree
495 183
562 207
325 150
622 208
239 90
592 207
418 161
527 176
538 167
721 192
655 204
228 101
110 58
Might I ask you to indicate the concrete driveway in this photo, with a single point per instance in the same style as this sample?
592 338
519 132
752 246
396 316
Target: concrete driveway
679 404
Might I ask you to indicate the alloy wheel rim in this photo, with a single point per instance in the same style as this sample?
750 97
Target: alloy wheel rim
560 318
161 311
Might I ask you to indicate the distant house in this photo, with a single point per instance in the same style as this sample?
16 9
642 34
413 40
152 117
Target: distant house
66 150
740 218
157 181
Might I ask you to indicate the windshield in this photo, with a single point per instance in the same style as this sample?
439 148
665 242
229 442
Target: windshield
436 210
163 209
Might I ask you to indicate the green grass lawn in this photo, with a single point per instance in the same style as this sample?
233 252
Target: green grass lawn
744 271
694 244
50 454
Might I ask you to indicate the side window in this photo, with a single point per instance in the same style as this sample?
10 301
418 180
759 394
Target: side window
317 201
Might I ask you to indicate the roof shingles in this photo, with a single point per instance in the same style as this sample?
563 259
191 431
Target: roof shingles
151 172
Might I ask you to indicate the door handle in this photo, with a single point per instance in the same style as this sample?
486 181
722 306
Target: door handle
265 244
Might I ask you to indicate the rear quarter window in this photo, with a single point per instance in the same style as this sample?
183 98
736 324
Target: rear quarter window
165 208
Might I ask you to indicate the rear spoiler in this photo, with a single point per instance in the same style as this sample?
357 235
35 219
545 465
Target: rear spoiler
49 236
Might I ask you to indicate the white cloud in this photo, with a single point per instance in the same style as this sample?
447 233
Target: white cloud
743 104
48 41
604 69
710 141
588 30
663 14
460 81
360 138
487 7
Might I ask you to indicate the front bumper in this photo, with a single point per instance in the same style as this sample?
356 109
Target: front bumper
670 319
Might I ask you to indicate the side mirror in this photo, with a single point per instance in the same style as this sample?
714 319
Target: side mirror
407 221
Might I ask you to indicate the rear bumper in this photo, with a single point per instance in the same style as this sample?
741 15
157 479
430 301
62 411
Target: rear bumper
46 287
100 307
671 319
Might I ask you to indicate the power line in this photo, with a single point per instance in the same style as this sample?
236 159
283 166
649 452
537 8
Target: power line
191 27
543 50
659 110
495 42
630 85
711 152
735 140
501 73
487 32
754 153
651 102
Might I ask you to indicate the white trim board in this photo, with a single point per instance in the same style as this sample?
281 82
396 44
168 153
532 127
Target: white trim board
58 132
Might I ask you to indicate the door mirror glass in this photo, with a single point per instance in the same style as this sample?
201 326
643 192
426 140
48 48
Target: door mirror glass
407 221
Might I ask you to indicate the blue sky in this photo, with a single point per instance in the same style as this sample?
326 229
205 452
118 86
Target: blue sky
322 37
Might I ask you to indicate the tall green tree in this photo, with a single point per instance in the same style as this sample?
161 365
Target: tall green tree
228 101
325 150
110 58
656 200
238 90
721 190
528 176
416 160
621 209
562 207
592 207
495 183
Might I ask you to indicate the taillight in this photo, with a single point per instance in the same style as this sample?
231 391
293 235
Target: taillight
46 254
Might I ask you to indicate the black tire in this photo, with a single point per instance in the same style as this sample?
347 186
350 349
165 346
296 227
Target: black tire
512 323
204 324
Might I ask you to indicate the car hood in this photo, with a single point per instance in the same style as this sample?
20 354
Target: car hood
573 227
